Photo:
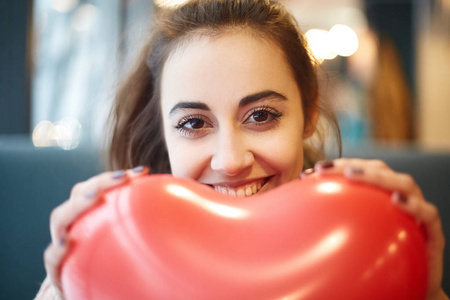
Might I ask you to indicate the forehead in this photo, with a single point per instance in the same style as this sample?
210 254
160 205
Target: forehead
224 67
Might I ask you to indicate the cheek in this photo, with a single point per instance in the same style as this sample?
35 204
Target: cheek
187 158
283 151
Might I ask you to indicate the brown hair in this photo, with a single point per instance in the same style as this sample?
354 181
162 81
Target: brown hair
137 137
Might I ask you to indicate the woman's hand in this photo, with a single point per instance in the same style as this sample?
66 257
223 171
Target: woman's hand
407 195
83 196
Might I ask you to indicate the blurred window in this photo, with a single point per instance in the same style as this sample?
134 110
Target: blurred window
78 48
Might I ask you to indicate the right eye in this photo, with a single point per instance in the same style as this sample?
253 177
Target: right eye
192 126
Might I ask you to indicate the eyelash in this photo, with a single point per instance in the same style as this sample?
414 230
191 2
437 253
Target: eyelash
274 117
182 123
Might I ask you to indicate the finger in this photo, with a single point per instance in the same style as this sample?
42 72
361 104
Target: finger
384 178
425 213
53 257
83 196
374 172
428 216
337 166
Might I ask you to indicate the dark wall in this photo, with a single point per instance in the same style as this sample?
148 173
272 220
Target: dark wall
394 20
15 18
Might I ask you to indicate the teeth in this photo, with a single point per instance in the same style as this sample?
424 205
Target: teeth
240 192
244 191
221 189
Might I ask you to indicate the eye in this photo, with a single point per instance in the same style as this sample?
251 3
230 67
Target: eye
195 124
263 115
192 126
260 116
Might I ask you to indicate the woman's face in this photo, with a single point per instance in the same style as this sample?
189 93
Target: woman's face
232 114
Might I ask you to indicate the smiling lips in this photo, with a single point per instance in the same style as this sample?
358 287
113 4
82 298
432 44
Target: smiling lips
246 190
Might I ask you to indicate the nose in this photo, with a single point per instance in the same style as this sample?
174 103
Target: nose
232 155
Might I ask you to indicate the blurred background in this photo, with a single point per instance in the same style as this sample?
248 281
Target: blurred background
385 66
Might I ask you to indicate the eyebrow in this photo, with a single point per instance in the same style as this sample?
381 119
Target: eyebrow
261 95
192 105
243 102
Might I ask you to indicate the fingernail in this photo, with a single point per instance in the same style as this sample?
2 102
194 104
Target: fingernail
355 171
138 169
62 242
325 164
397 197
118 174
91 194
403 199
307 172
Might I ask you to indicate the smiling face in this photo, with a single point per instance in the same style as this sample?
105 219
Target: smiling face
232 114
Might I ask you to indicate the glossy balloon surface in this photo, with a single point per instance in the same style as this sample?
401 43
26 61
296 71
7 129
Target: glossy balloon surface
161 237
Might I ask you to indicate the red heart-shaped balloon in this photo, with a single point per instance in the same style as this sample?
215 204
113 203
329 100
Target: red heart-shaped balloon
321 237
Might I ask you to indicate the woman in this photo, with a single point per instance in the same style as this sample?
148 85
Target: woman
226 93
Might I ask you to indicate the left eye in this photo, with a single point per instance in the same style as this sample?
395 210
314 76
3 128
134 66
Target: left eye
260 116
263 116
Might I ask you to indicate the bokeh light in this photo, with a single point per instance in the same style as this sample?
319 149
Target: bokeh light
320 44
40 134
168 3
65 134
344 40
340 40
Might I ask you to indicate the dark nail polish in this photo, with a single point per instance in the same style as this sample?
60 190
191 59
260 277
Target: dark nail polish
308 172
325 164
118 174
402 198
138 169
